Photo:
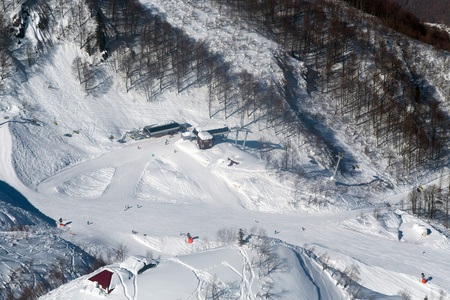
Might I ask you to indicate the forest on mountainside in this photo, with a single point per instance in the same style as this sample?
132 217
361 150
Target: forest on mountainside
433 11
393 16
371 72
390 94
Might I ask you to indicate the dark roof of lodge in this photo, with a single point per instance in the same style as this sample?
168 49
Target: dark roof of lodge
219 130
157 128
213 131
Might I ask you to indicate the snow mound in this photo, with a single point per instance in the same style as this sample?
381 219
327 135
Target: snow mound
384 226
90 185
162 182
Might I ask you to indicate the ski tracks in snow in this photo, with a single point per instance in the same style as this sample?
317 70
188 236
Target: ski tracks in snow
125 290
201 276
246 283
204 277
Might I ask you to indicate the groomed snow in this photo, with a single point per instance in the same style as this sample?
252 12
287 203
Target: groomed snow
148 194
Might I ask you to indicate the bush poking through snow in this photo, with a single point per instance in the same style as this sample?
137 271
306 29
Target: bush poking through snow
324 260
267 291
405 294
377 213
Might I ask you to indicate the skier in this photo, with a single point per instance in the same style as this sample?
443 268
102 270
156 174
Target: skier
190 239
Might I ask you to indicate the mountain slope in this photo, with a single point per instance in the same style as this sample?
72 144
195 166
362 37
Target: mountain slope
78 162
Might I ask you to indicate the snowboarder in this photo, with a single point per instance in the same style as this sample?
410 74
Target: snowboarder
423 279
190 239
232 162
60 220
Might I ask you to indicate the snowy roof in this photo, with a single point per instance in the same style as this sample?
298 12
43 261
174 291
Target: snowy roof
138 264
204 135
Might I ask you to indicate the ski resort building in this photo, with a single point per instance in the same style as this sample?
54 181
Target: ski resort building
160 130
103 279
218 133
206 137
204 140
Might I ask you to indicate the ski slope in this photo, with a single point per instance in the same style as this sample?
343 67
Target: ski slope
147 194
190 190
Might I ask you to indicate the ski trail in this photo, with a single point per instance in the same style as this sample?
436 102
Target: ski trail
135 284
125 291
231 268
246 283
201 276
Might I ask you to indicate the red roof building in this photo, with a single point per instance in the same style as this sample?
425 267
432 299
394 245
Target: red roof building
103 279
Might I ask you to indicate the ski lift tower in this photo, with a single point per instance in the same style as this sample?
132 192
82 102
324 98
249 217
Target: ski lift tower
340 156
237 128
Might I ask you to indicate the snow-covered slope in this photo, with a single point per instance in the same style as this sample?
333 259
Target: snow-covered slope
226 272
148 194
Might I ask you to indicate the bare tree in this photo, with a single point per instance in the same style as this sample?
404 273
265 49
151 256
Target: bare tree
227 235
267 260
5 65
77 67
214 290
88 76
324 260
430 195
414 199
121 252
377 212
5 43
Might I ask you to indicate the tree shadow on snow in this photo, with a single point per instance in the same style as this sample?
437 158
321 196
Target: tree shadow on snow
12 196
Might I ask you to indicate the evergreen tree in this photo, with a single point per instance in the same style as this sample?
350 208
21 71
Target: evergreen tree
241 237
